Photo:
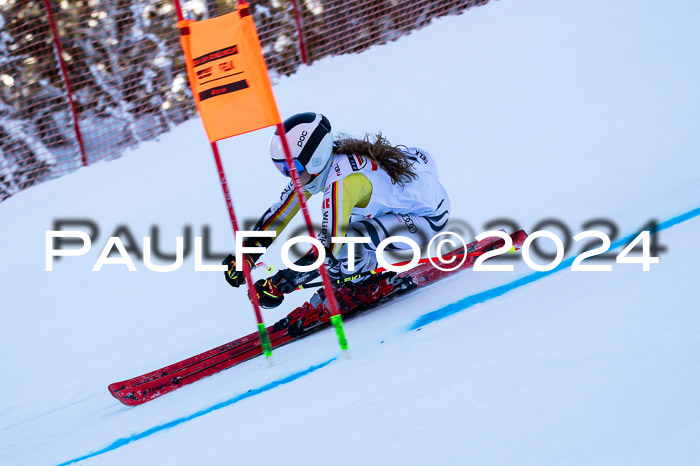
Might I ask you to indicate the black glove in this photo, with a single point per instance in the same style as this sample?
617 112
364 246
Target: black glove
271 291
269 295
234 277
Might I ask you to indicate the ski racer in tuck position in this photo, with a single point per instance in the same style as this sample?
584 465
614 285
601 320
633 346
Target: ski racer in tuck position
370 189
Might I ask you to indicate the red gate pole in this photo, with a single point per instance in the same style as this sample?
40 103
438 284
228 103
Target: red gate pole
262 331
66 81
300 33
178 10
336 317
247 272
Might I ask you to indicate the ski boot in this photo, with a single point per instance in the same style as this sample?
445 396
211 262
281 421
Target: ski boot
350 297
305 318
376 288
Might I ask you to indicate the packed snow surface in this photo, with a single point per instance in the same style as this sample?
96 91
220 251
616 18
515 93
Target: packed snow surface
534 110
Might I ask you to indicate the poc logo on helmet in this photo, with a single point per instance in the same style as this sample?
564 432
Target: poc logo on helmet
302 138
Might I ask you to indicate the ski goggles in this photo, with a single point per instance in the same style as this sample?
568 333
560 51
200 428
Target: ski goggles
284 168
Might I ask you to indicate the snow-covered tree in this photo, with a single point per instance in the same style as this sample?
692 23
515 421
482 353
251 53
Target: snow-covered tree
127 70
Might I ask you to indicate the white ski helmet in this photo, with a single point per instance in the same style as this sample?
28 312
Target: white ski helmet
310 141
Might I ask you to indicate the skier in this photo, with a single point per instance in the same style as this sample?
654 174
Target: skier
370 189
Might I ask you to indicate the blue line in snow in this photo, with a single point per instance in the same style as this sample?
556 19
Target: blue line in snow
469 301
256 391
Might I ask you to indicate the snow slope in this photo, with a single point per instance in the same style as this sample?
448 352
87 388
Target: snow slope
538 109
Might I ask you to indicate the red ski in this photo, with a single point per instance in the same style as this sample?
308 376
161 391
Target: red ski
146 387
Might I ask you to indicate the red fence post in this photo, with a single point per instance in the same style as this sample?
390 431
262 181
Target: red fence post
66 81
300 33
